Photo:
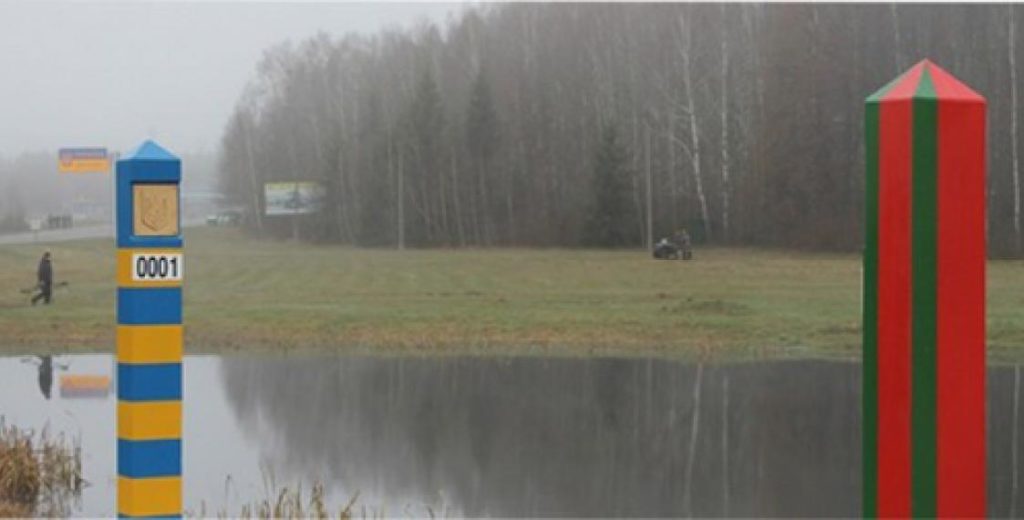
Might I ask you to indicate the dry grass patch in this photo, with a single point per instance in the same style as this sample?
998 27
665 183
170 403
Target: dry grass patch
39 474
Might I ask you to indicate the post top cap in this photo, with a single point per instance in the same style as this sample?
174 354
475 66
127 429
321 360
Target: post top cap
925 80
149 151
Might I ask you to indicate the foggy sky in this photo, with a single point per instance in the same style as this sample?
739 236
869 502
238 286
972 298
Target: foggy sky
112 74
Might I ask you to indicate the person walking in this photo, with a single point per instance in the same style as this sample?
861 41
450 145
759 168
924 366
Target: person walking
45 280
682 240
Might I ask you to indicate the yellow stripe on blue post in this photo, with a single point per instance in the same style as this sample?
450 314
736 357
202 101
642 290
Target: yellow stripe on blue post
150 273
148 497
142 344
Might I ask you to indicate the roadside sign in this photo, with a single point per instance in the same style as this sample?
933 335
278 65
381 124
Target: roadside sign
83 160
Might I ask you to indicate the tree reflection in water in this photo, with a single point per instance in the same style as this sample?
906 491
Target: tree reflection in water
580 437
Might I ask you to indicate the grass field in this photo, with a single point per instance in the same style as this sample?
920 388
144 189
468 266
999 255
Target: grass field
256 295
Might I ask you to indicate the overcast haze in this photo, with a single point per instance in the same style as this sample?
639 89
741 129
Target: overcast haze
112 74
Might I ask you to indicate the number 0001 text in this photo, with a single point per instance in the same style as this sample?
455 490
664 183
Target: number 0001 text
162 267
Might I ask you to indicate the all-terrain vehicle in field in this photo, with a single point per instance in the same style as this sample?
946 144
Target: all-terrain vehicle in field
667 249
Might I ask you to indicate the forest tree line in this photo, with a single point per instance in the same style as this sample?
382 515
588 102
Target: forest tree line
607 124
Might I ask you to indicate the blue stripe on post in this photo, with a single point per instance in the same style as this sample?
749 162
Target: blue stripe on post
156 382
157 306
141 459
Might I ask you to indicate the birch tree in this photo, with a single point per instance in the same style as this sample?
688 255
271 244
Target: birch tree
684 46
1014 144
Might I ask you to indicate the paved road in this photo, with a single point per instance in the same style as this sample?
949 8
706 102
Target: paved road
77 233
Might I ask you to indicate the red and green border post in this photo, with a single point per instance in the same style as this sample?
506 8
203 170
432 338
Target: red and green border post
924 299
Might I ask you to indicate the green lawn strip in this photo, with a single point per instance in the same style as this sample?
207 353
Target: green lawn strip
252 295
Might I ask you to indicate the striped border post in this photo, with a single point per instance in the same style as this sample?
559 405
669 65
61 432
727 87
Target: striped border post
149 334
924 299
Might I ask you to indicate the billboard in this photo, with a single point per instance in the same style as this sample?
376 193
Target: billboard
83 160
293 198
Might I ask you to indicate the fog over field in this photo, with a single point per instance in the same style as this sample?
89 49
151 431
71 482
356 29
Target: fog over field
524 124
111 74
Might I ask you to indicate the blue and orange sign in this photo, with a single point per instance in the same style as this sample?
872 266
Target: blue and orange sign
83 160
149 335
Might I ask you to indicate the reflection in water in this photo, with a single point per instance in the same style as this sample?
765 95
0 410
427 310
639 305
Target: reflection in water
568 437
45 378
46 375
539 437
512 437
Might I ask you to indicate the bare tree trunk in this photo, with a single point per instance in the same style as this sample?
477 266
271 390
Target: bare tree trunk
323 164
391 161
443 205
694 146
511 217
634 173
752 21
401 202
639 206
513 226
426 204
650 194
455 200
510 228
475 201
294 218
346 186
254 186
485 198
673 182
725 128
898 54
1014 145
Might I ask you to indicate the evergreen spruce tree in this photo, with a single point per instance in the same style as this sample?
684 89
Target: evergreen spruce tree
426 123
427 118
611 214
482 121
482 140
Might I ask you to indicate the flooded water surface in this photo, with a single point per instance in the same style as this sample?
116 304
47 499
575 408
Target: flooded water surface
504 437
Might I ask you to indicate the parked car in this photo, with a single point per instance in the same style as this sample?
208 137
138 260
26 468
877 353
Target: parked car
224 218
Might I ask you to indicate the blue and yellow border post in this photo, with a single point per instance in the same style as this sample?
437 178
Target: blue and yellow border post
149 333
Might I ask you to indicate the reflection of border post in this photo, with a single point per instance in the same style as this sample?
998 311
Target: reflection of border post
149 333
924 299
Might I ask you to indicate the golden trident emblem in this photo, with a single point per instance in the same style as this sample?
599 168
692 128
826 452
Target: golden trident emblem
156 209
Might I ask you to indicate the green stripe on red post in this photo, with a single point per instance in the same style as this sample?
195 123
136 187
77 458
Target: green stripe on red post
869 291
924 230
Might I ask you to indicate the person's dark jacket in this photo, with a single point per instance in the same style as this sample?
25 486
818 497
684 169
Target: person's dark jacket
45 273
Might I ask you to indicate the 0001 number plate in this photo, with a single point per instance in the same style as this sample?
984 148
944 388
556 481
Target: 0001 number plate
157 267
